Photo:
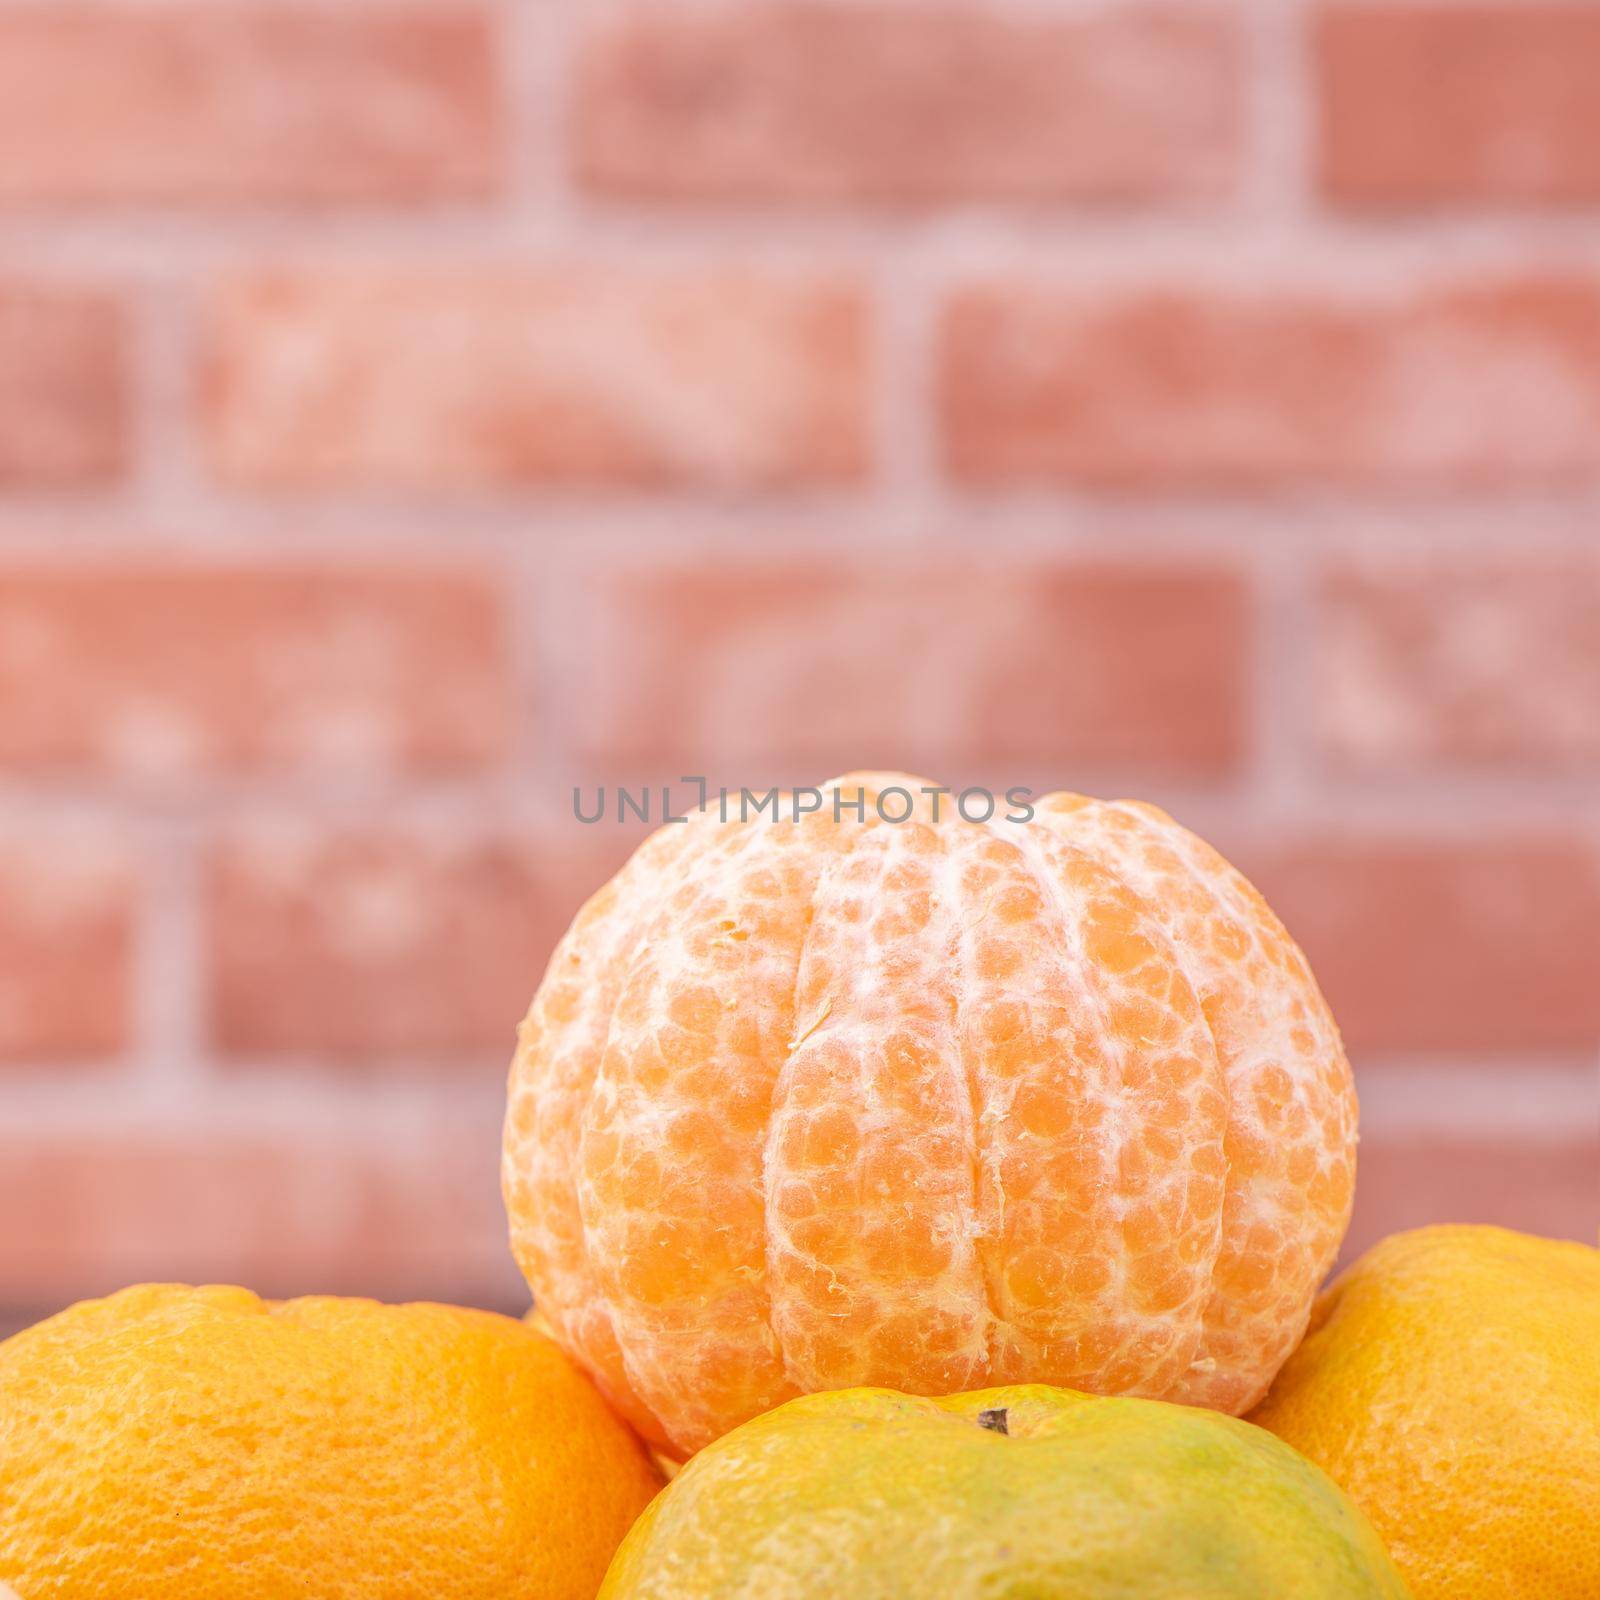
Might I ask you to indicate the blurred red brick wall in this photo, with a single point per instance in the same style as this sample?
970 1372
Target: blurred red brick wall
406 413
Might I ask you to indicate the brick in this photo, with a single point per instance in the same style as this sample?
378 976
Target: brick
398 1208
894 104
1452 104
1449 384
197 104
463 380
383 946
165 673
1471 663
68 911
1465 948
63 388
1544 1186
807 667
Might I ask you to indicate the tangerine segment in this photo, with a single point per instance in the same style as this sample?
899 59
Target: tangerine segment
869 1182
1291 1132
926 1104
1153 1089
1047 1148
678 1122
559 1047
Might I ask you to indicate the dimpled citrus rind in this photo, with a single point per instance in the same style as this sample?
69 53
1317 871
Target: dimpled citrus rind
1451 1384
203 1442
1036 1491
827 1102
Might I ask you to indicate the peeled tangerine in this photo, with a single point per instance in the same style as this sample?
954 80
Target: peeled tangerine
929 1104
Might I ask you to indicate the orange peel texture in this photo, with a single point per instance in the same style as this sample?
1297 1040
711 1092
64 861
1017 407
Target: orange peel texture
932 1105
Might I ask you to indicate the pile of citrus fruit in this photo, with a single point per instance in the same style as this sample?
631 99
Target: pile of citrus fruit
913 1207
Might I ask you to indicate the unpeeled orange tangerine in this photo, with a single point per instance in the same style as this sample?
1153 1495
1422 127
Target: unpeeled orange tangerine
1450 1384
202 1443
932 1105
